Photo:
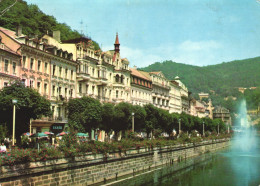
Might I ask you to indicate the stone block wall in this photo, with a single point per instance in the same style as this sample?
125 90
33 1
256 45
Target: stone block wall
96 169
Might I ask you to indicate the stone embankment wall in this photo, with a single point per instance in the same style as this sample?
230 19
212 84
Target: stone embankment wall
92 169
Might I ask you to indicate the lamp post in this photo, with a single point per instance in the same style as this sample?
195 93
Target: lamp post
133 122
14 101
203 129
228 128
30 126
218 128
179 126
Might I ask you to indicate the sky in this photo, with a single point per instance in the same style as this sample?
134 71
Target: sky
196 32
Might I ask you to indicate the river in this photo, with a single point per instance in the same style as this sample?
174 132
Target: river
229 167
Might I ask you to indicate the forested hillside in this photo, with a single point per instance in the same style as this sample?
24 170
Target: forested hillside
223 78
33 20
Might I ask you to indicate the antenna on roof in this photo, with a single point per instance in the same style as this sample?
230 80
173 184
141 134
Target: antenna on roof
86 31
81 27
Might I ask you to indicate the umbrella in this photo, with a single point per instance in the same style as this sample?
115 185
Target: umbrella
49 133
62 133
27 134
82 135
39 134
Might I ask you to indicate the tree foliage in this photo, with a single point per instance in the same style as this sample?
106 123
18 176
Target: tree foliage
34 21
84 114
30 105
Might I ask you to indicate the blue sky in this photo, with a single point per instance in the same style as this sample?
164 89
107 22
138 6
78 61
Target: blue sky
197 32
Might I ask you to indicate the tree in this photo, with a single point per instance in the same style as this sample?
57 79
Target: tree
107 117
151 120
84 114
30 105
122 117
139 117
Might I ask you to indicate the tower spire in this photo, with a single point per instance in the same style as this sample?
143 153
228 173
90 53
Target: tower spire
117 44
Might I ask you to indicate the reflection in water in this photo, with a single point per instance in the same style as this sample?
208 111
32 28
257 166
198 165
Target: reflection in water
239 165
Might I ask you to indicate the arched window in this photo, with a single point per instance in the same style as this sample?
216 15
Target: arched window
122 79
117 78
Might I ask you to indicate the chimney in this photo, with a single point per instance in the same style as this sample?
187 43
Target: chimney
56 35
19 31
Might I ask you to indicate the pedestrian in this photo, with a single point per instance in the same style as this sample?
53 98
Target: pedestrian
3 148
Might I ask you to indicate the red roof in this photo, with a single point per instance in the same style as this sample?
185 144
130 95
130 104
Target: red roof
117 40
135 72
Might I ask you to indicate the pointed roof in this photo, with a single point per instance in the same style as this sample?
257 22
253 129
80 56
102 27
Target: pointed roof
117 40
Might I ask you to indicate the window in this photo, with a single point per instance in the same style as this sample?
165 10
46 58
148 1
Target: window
45 88
6 65
71 92
39 65
31 64
93 89
53 90
86 69
46 68
60 71
31 83
80 88
117 78
38 85
24 61
23 82
71 74
122 79
93 71
86 89
66 90
59 90
66 73
117 94
14 68
53 70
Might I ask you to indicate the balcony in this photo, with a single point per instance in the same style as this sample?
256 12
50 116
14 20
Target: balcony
161 85
83 76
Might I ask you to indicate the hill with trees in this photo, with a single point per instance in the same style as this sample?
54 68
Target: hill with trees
223 79
33 21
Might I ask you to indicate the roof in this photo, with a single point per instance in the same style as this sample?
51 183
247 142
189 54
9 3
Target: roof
7 49
138 73
77 40
156 73
174 82
8 32
146 74
117 40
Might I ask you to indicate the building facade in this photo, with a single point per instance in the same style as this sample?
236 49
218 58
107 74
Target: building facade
223 114
141 88
10 65
175 97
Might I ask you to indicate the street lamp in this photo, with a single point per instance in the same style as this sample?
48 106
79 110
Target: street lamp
14 101
179 126
133 121
203 129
